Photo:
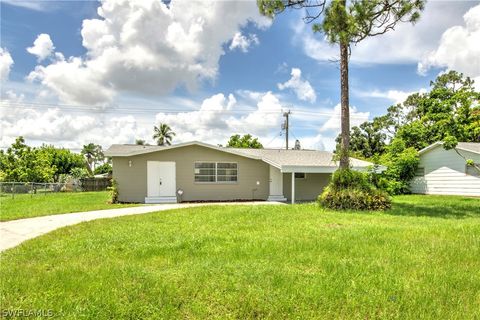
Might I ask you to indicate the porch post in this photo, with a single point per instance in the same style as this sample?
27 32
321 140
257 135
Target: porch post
293 187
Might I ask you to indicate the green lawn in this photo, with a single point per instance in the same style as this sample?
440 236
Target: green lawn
420 260
28 206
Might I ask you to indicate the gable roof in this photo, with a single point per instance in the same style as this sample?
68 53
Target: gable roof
285 160
465 146
128 150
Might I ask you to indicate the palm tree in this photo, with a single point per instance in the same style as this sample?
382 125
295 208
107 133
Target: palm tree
163 134
88 152
93 153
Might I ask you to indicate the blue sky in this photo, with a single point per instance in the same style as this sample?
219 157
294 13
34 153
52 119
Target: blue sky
207 69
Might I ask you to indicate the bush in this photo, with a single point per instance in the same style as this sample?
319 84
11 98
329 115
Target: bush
113 191
401 164
350 189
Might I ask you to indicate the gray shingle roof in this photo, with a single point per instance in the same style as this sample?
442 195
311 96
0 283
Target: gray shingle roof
308 158
469 146
125 150
276 157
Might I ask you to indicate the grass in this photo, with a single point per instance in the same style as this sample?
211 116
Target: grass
28 206
421 260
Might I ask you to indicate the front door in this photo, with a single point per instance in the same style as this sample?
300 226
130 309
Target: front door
161 179
276 185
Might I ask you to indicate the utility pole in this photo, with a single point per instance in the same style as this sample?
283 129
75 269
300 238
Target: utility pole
286 127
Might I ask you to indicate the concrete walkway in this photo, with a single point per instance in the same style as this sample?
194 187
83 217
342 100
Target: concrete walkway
12 233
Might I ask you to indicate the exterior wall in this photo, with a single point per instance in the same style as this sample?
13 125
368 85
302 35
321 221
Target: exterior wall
132 181
445 174
306 189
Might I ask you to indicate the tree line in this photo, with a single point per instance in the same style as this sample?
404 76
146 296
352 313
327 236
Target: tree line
23 163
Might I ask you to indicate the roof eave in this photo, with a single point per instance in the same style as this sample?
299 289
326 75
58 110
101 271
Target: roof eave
323 169
440 143
180 145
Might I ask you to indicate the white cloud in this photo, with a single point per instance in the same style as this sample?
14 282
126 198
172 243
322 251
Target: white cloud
396 96
243 42
6 63
215 120
219 117
42 47
32 5
459 47
316 142
63 127
302 88
406 44
73 82
148 47
334 123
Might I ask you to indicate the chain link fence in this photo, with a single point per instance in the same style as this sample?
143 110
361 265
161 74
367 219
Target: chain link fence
35 189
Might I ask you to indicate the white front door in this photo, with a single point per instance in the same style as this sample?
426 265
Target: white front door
161 182
276 185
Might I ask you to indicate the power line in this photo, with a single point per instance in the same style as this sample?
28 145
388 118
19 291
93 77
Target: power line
274 137
149 110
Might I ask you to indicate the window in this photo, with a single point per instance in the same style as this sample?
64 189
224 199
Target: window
300 175
220 172
472 171
205 172
226 172
420 172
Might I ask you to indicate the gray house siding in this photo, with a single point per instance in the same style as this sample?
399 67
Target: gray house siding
132 180
306 189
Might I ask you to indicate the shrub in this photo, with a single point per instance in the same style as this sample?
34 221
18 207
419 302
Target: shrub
401 163
350 189
113 191
346 179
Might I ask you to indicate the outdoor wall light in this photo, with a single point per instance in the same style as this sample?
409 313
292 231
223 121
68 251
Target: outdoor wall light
258 183
129 163
180 193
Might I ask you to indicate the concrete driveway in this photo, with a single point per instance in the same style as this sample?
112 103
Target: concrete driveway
12 233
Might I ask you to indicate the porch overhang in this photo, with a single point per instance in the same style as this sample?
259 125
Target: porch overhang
320 169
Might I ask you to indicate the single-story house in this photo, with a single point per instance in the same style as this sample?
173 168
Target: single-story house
443 171
196 171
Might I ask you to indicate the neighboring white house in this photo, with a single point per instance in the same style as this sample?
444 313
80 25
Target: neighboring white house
443 171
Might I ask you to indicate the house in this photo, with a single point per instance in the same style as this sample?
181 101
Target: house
443 171
196 171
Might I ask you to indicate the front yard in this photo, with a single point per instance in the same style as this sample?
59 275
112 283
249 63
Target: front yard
420 260
28 206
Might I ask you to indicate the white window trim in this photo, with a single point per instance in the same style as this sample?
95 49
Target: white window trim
216 175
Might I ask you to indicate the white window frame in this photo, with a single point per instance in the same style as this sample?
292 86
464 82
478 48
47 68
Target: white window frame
216 173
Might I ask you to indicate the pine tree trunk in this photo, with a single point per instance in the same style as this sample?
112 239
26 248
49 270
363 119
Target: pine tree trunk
345 109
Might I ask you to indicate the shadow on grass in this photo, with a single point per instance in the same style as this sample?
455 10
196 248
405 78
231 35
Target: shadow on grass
458 209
